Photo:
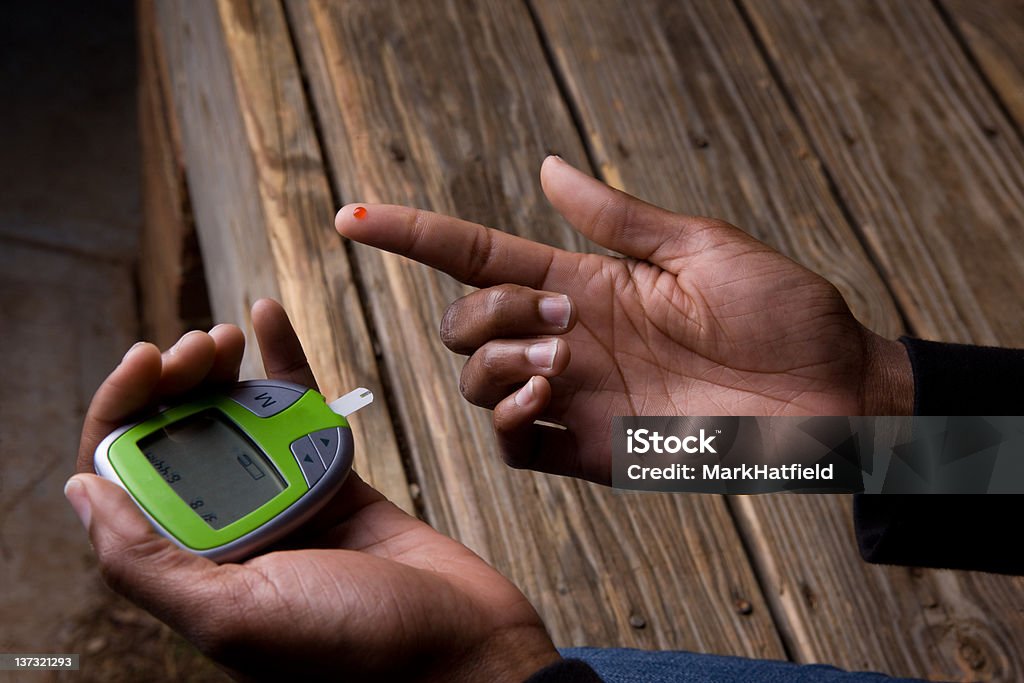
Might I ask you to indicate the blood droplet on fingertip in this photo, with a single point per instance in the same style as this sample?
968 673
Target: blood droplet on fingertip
359 212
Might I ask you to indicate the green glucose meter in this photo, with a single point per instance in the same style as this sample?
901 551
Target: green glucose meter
227 474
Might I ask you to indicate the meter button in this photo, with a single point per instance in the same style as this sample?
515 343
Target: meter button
327 442
308 459
265 400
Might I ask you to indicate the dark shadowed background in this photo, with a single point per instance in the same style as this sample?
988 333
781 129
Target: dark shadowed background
69 224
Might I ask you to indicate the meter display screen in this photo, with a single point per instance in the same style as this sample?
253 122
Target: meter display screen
213 467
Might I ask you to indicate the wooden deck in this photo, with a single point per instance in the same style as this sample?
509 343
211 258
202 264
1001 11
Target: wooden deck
879 143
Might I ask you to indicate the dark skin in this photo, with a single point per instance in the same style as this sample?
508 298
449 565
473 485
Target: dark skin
373 594
697 318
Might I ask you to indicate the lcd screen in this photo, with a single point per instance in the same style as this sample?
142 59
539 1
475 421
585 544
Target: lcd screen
213 467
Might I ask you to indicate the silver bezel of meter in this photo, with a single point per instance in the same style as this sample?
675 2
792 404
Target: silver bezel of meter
292 517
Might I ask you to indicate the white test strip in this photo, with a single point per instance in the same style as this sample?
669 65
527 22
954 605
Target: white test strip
352 401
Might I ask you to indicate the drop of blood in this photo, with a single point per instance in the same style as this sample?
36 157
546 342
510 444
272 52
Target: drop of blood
359 212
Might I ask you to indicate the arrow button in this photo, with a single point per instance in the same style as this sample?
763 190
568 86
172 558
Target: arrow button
327 442
305 454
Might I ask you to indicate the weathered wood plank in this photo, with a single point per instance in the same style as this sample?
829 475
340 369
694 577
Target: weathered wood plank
938 624
930 167
452 107
680 109
994 31
676 112
263 208
932 172
172 288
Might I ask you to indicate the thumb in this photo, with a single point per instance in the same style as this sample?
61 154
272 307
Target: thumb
135 560
620 221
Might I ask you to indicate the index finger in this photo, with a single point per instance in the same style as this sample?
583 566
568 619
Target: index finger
283 357
469 252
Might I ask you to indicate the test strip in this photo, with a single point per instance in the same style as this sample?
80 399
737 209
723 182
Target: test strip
352 401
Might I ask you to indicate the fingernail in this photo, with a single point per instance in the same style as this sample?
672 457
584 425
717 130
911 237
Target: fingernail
133 347
76 494
543 353
556 310
177 345
525 395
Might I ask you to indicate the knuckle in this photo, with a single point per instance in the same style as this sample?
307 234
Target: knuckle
501 298
420 226
480 376
480 256
449 327
502 422
490 361
467 384
502 309
699 234
612 214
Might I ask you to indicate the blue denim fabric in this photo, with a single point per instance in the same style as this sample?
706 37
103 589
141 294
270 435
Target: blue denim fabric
623 665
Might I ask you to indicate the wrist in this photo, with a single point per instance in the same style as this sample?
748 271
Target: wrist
887 387
511 655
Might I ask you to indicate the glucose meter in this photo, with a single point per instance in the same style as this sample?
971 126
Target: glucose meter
226 474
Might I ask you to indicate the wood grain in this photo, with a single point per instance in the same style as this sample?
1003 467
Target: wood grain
937 624
680 108
172 287
927 163
994 31
931 171
451 106
262 204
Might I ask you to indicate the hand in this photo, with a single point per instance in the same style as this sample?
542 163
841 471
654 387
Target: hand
700 318
373 594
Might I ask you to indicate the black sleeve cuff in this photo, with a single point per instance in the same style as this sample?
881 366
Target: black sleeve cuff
956 379
940 531
566 671
949 531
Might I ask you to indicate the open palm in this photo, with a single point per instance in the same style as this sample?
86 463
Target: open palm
364 592
381 595
693 336
698 318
